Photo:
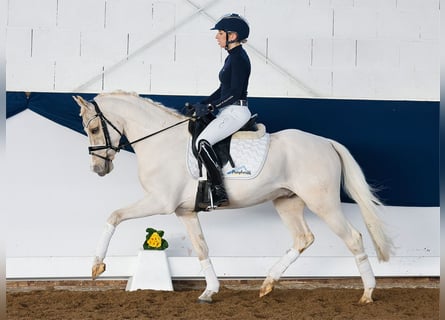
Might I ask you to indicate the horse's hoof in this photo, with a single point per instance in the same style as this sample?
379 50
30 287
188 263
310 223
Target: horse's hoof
206 296
367 296
266 288
365 300
98 269
204 301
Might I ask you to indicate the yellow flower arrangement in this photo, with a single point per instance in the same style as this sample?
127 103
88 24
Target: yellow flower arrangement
154 241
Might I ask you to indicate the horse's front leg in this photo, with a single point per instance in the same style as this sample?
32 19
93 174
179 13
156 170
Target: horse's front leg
194 230
101 250
145 207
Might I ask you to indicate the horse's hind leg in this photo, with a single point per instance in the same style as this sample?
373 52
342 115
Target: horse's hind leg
334 217
291 212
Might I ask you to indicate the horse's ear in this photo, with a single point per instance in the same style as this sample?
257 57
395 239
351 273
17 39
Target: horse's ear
83 104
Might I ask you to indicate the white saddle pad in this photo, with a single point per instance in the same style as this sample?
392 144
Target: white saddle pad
248 151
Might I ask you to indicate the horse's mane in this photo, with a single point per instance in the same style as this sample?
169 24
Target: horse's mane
135 95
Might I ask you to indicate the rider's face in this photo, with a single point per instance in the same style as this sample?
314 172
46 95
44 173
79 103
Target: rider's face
221 38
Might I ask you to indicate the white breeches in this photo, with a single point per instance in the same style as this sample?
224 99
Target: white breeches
227 122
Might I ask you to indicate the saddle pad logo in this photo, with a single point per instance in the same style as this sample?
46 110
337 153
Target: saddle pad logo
248 155
242 170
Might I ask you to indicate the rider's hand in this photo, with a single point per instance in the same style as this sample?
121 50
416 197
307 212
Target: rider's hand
202 109
188 109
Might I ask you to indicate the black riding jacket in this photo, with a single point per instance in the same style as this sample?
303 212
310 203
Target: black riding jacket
234 78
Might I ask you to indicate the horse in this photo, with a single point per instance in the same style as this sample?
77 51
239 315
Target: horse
312 171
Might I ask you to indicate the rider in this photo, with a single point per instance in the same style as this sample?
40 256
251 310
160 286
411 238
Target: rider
230 99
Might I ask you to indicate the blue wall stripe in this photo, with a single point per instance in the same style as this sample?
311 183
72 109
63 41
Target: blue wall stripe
395 142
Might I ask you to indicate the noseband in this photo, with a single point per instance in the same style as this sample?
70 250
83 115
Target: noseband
108 145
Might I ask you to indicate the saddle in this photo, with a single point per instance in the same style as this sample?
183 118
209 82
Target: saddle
221 148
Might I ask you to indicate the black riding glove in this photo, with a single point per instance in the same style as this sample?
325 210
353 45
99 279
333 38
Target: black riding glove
197 110
201 110
188 109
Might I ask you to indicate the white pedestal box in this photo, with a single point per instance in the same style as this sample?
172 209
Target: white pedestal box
151 272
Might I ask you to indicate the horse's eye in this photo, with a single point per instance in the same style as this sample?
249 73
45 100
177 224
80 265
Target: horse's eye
95 130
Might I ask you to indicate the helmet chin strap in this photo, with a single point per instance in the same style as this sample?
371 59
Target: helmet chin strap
228 41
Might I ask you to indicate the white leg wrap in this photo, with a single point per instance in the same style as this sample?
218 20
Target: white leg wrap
104 241
210 275
282 264
364 267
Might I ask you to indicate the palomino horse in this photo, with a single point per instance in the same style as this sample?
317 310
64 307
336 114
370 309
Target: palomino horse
312 169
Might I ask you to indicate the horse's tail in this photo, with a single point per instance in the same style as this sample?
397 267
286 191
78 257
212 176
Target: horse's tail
355 185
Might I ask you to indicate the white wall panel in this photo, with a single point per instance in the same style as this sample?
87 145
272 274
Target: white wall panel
310 23
38 72
344 53
397 24
417 55
424 82
342 3
154 50
416 5
133 16
264 80
429 25
295 56
174 78
221 7
28 13
205 61
72 73
131 76
322 52
19 43
192 22
355 23
317 79
54 44
207 53
337 53
383 80
372 53
81 14
292 43
207 78
376 4
353 83
105 45
290 20
261 15
164 16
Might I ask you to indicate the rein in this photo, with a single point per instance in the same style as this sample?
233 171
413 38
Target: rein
108 145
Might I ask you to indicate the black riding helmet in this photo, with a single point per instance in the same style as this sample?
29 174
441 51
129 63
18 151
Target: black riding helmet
233 23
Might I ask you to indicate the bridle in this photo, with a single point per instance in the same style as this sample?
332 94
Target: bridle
108 145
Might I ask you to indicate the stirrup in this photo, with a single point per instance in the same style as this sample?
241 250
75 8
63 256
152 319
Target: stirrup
218 192
205 197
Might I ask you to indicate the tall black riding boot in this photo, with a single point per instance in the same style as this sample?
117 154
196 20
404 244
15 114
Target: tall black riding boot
208 157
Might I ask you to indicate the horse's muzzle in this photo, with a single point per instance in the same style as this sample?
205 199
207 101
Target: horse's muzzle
104 168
